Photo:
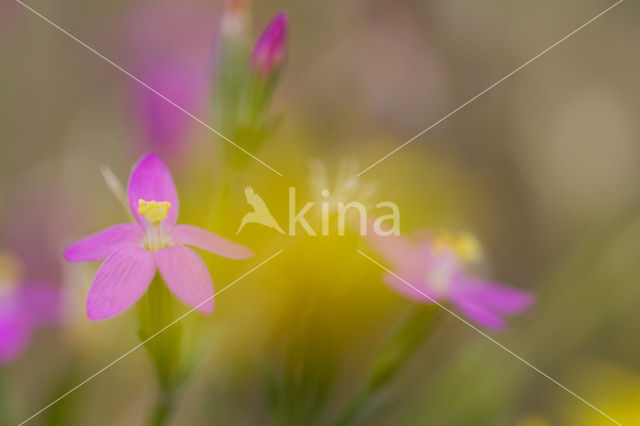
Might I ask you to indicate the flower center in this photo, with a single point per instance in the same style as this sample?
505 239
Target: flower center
464 245
451 252
155 212
439 276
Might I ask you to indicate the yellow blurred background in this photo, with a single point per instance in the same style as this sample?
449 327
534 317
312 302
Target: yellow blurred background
544 169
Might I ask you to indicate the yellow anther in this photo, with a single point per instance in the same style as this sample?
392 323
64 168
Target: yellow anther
464 244
154 211
468 247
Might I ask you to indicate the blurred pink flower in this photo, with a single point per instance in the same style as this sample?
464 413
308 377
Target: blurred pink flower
436 268
134 251
36 216
271 48
172 49
24 306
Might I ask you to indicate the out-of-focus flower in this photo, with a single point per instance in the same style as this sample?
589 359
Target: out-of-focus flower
134 251
171 46
271 48
346 186
436 267
24 306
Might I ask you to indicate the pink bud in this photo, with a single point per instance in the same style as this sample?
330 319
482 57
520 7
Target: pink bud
270 49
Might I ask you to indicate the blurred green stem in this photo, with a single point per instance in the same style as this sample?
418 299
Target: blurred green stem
389 360
163 408
4 398
156 313
218 217
358 409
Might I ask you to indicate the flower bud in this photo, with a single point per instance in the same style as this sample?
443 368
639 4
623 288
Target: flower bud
270 49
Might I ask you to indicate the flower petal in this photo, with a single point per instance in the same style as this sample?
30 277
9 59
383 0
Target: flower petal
270 49
165 128
42 302
175 59
416 291
486 302
186 276
120 281
15 329
103 243
498 297
395 249
151 180
480 314
201 238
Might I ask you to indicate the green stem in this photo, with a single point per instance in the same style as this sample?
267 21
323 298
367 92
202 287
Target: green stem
390 359
356 410
4 398
218 219
163 409
156 311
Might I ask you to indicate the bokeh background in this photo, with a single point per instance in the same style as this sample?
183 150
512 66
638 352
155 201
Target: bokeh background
544 169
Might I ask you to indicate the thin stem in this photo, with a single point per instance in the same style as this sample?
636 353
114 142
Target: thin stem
217 214
390 359
356 410
4 398
155 310
163 409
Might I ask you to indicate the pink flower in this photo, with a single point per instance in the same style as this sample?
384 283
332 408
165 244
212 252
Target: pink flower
23 308
134 251
435 267
271 48
170 46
